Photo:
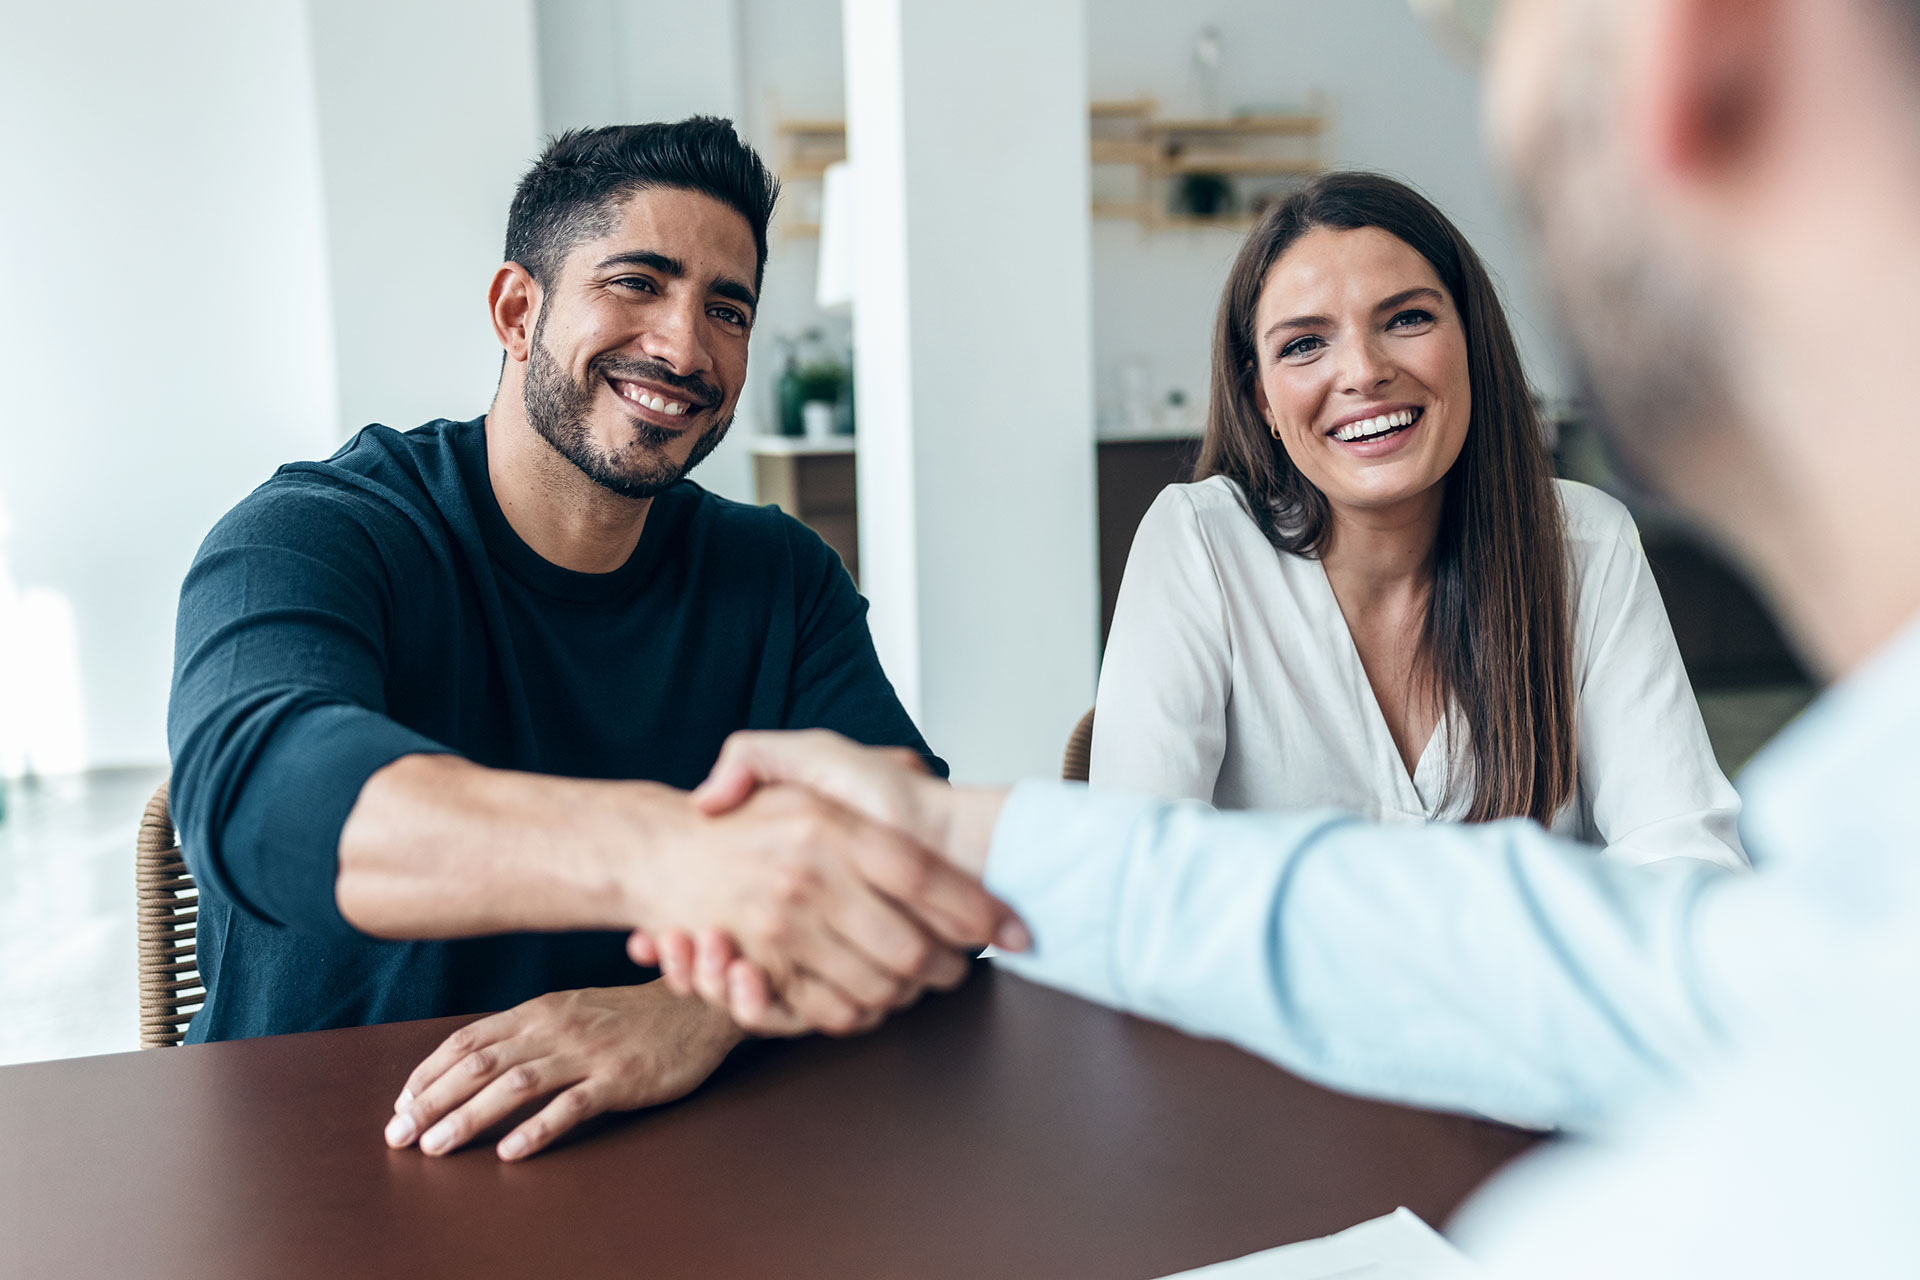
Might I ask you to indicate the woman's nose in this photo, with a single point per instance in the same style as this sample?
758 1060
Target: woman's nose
1366 368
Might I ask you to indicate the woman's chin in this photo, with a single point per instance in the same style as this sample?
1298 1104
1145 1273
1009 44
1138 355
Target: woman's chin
1382 488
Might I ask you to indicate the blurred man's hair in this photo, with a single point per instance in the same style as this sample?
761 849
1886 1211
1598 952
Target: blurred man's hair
1907 12
574 190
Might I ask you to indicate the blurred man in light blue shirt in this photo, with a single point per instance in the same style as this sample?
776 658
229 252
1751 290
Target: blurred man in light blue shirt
1727 194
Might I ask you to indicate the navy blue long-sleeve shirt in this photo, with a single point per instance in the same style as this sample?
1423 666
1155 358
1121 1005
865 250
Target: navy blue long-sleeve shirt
354 611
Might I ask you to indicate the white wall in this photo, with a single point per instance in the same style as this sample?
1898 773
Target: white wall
165 342
428 117
232 231
1399 105
633 61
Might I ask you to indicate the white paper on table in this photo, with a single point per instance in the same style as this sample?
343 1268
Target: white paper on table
1396 1247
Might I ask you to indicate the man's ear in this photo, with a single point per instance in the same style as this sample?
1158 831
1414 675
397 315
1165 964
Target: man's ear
513 300
1709 78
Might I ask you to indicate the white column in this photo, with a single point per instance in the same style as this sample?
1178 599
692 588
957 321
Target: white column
967 131
428 116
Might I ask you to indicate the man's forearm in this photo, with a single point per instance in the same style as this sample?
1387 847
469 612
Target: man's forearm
440 847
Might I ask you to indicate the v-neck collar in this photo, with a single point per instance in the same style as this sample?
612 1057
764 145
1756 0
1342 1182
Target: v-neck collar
1422 790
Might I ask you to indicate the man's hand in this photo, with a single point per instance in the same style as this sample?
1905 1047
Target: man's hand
601 1049
886 786
848 918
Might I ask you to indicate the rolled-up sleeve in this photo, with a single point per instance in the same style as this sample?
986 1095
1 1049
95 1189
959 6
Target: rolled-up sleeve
1489 968
277 716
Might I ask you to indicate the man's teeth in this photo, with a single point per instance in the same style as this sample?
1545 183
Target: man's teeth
659 404
1375 426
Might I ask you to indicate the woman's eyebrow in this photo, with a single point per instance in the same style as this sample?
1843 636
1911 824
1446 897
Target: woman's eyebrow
1423 292
1298 322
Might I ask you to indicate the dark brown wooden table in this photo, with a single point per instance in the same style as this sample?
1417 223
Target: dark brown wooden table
1004 1130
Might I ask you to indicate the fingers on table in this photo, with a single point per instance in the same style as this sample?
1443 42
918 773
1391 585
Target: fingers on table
452 1126
505 1093
478 1076
473 1038
571 1107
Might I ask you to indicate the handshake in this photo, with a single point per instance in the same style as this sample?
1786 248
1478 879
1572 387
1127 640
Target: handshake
829 884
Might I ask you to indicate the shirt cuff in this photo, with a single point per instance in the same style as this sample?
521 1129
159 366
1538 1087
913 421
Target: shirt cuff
1058 858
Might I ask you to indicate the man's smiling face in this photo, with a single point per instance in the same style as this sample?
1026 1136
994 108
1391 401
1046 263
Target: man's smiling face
640 345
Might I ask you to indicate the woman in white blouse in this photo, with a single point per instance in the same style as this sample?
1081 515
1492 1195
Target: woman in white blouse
1377 598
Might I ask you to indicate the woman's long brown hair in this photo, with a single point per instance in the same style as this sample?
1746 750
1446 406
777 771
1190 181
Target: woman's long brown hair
1497 633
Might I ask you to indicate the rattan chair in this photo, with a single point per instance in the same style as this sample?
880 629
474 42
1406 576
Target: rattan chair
1078 760
170 988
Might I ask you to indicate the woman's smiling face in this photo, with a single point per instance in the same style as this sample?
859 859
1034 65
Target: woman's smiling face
1362 367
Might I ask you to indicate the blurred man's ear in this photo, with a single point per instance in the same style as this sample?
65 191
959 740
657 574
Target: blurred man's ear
1712 75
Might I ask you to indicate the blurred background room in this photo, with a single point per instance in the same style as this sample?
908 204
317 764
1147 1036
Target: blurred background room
232 233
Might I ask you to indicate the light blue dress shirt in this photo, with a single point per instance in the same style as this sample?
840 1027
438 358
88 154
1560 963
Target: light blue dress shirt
1797 1156
1490 968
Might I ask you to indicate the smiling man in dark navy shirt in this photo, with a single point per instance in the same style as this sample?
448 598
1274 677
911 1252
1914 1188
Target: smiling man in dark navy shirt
437 699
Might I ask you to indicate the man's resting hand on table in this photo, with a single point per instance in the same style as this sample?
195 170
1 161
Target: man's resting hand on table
597 1050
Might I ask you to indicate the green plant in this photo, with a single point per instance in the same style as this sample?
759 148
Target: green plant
823 380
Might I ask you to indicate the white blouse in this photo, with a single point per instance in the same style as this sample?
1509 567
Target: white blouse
1230 677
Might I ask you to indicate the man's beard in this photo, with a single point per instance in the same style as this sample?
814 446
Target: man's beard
1640 316
559 409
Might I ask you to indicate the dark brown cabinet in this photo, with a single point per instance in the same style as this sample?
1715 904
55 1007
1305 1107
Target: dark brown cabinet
814 483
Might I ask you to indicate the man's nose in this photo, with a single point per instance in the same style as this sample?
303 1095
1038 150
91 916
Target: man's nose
673 337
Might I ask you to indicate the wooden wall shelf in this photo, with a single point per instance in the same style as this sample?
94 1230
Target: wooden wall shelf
1228 165
807 148
1299 124
1259 155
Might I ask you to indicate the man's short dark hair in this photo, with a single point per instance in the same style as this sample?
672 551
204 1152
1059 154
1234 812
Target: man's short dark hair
574 190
